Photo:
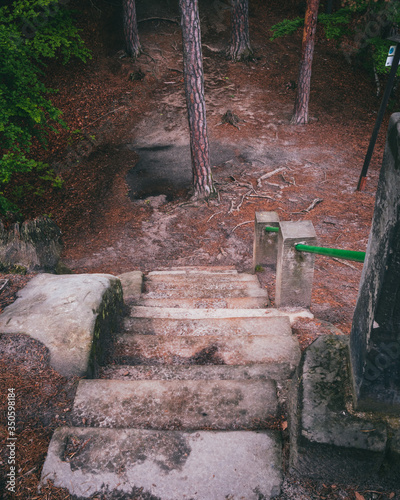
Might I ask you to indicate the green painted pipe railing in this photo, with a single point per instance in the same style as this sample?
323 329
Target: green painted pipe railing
332 252
329 252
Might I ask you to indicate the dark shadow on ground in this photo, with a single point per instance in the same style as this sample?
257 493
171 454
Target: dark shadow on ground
166 169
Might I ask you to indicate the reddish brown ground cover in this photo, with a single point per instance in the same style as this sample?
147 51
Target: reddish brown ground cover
105 231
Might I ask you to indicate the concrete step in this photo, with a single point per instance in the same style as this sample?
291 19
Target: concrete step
177 278
195 314
274 371
276 325
196 292
194 270
167 465
208 303
175 404
243 350
203 289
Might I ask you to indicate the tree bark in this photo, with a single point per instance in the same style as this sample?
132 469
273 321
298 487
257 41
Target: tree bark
300 114
131 33
194 89
239 48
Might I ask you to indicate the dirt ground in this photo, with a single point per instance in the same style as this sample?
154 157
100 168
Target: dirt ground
127 123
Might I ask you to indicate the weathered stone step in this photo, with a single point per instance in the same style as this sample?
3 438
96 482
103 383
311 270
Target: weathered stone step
203 289
190 313
175 404
275 371
277 325
208 303
166 465
197 292
195 270
241 350
178 278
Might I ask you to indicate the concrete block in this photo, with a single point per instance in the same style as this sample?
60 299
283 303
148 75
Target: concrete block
265 245
375 335
167 465
72 315
175 404
132 284
295 270
329 440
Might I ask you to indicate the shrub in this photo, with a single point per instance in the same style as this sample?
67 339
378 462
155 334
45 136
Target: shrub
32 32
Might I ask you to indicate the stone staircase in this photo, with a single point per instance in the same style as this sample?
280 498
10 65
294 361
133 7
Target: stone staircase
186 405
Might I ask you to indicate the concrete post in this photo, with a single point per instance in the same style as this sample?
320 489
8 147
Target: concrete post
294 270
375 334
265 244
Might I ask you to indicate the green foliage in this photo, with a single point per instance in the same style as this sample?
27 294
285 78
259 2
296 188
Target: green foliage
334 24
360 27
286 27
31 33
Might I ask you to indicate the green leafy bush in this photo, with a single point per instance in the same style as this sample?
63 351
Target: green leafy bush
31 33
335 25
361 27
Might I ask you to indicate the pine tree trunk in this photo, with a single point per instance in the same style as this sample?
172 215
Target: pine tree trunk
194 89
131 33
300 114
240 49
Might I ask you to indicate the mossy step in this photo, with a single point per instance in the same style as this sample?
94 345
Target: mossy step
135 463
175 404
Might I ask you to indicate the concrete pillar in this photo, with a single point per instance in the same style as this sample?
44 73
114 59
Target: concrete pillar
375 334
294 270
265 244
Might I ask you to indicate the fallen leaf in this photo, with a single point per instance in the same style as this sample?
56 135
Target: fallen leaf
359 496
284 425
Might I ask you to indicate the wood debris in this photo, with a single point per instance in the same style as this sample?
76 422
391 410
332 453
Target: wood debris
269 174
231 119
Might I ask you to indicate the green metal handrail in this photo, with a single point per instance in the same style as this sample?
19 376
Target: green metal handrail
332 252
329 252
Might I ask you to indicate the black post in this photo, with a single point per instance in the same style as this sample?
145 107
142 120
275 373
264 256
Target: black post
389 85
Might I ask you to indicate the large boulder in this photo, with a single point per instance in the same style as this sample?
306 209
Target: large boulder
72 315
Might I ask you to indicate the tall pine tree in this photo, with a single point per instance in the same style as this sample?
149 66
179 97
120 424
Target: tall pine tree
300 114
131 33
239 48
194 90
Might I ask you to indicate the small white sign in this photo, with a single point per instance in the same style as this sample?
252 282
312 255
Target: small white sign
390 56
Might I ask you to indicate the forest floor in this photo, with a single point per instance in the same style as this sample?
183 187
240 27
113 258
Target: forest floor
129 120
